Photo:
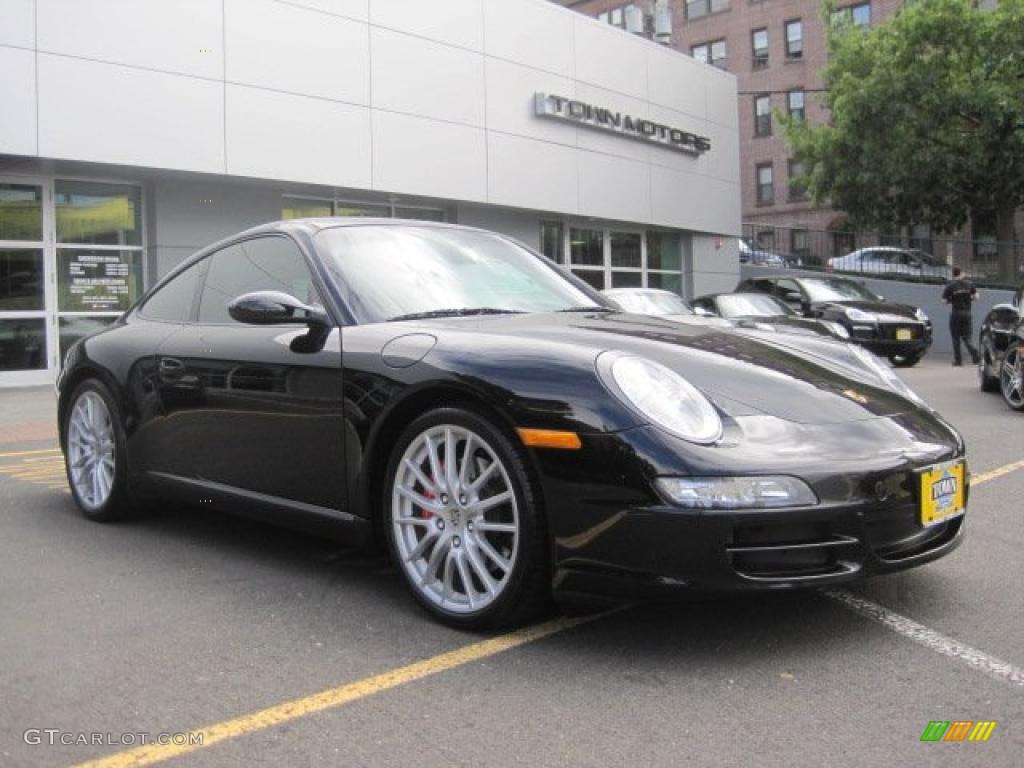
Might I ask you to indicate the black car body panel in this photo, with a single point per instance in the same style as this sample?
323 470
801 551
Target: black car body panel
1002 325
260 420
881 335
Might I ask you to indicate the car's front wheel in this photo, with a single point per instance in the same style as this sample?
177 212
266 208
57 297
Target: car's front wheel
463 521
1011 378
94 453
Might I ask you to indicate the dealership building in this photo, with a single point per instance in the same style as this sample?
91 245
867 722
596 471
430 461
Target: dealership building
134 133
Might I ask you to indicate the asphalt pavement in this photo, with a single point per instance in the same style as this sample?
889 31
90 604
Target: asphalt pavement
285 649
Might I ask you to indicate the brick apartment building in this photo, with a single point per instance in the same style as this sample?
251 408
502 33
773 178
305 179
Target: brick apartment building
776 49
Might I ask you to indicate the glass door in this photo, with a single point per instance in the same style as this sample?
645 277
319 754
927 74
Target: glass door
27 335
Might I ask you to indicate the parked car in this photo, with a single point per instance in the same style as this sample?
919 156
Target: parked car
500 426
1001 344
767 313
889 260
897 331
660 303
752 254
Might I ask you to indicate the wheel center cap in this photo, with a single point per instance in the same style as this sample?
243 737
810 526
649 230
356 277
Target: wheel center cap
456 517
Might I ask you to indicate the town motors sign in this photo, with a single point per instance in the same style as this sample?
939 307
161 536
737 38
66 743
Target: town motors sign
600 118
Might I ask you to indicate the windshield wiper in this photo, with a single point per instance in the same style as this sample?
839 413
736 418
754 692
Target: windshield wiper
463 312
594 308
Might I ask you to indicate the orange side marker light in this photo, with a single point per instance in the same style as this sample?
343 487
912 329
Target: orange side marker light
550 438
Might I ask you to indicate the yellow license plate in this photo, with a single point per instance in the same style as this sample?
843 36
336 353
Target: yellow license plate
904 334
942 492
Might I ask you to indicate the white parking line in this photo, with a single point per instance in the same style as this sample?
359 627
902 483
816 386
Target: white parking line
929 638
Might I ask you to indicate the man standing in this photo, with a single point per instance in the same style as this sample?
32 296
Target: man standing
959 294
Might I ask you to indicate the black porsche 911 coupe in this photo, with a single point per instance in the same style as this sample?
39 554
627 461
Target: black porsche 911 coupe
495 422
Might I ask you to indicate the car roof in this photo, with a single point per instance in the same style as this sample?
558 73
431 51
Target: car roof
314 225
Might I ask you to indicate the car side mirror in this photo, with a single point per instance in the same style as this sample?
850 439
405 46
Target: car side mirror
702 312
276 308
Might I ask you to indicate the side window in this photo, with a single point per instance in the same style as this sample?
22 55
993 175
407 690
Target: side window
173 302
262 264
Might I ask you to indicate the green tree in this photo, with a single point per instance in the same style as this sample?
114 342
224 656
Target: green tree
927 120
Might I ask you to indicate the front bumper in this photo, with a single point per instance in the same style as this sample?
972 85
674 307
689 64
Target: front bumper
620 540
881 339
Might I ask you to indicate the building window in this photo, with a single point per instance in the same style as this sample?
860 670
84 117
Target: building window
551 240
797 182
765 184
794 39
617 16
763 115
858 15
712 53
799 242
696 9
308 207
795 104
759 48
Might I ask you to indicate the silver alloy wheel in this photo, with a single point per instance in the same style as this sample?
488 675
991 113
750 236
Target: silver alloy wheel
1011 378
455 519
90 450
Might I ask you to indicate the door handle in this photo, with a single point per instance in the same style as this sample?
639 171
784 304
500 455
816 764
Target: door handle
171 369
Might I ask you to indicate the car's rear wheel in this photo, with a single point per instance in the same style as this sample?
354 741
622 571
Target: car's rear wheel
905 361
463 521
94 453
989 382
1011 378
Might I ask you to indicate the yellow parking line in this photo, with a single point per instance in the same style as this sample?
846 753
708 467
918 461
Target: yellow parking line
984 477
345 694
28 453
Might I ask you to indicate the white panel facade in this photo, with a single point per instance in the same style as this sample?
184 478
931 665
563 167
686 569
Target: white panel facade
426 157
609 59
277 135
288 48
531 32
515 112
156 119
614 187
456 22
352 9
185 36
282 90
17 23
421 77
549 184
18 97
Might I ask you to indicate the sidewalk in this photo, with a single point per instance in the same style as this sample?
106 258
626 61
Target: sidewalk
28 415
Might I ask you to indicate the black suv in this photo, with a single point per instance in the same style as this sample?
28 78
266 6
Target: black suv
1001 344
897 331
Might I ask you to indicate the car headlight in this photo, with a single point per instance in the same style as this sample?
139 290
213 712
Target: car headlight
663 397
920 315
887 375
837 328
768 492
859 315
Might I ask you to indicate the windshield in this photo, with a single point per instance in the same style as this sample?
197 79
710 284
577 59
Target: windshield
751 305
650 302
837 289
389 272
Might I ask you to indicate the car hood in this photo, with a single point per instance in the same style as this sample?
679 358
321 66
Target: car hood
882 309
744 373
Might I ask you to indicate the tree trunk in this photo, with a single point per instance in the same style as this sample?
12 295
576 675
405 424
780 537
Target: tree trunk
1005 249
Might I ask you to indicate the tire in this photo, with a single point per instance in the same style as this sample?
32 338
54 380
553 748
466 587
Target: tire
905 361
1011 373
443 535
986 380
94 454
